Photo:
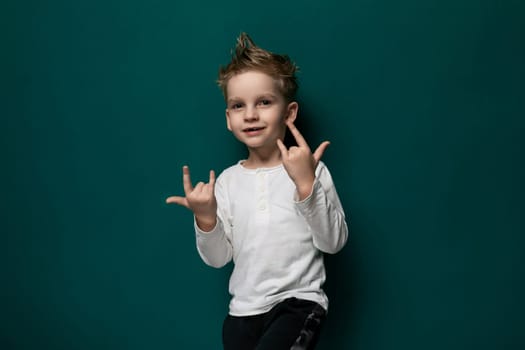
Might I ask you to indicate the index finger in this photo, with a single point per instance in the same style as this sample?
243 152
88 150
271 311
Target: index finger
296 134
186 180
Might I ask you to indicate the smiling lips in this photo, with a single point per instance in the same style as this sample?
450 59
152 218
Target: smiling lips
253 130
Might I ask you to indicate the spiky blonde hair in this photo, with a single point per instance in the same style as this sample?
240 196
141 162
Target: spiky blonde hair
248 56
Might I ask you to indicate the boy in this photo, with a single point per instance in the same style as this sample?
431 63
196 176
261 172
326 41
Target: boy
274 213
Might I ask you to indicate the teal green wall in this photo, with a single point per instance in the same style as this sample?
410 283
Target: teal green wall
104 101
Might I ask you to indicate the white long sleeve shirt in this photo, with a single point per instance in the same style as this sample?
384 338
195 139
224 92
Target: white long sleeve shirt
276 242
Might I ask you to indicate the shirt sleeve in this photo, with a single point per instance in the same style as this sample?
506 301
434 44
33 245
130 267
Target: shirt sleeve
324 213
215 247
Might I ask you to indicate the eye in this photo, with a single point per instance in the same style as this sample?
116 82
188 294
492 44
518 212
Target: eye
236 105
265 102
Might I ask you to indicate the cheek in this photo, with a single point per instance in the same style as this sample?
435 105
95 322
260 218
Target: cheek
233 122
228 125
281 117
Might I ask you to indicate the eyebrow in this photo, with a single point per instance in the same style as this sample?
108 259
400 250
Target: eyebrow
237 99
233 99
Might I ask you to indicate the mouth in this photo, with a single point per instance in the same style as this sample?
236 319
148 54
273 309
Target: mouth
253 129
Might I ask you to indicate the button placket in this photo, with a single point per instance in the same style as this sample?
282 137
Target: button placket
262 203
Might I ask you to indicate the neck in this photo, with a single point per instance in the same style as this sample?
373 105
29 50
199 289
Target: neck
258 158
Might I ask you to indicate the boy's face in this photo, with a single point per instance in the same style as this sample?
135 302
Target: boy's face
256 110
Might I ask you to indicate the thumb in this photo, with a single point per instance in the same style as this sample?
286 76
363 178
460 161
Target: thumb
320 150
282 148
178 200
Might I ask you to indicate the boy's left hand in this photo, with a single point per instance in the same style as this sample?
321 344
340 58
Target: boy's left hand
299 161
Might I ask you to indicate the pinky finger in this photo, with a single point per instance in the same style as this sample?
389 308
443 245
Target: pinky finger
212 178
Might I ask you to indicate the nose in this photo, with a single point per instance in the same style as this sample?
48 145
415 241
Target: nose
251 114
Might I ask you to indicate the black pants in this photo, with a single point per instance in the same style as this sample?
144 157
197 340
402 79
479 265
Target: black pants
293 324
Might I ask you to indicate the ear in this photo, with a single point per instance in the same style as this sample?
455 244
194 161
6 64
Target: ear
228 119
291 111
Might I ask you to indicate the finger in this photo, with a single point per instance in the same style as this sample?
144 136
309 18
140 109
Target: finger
282 147
177 200
186 180
212 178
198 187
320 150
296 134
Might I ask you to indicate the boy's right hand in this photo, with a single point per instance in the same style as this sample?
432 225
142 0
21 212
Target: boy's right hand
199 199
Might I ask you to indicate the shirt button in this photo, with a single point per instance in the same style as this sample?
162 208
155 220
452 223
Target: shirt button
262 205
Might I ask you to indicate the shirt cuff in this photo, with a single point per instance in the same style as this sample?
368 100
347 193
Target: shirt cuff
206 233
308 203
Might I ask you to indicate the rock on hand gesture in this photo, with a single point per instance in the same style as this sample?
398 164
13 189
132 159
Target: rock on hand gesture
299 161
199 199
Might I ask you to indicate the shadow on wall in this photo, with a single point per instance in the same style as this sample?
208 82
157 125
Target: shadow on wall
342 268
